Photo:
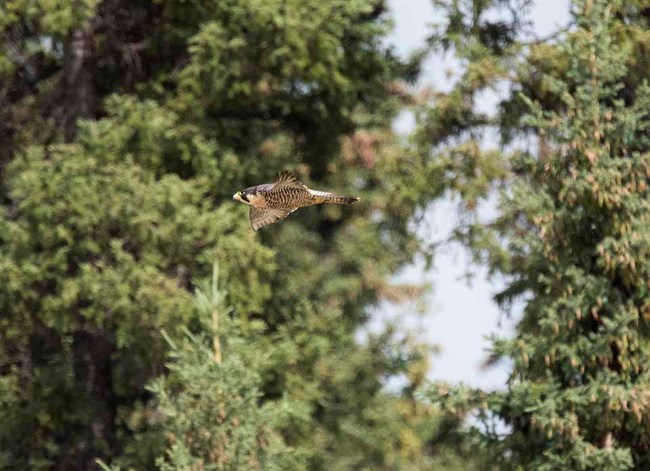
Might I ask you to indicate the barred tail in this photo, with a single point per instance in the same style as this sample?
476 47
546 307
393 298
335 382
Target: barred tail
326 197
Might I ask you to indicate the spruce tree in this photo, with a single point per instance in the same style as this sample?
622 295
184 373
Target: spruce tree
573 243
214 419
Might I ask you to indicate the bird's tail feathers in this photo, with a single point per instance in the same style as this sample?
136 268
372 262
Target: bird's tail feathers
327 197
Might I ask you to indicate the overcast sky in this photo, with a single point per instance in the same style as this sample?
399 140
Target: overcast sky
457 317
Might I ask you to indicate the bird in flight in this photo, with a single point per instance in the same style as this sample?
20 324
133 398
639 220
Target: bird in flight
272 202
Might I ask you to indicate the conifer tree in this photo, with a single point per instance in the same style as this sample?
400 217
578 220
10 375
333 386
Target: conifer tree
211 398
126 127
573 242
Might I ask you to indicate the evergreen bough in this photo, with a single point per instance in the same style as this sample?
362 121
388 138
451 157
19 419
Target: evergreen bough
573 241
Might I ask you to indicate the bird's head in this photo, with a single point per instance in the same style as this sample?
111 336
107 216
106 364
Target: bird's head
241 196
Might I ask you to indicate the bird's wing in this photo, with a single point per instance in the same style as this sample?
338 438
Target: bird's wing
261 217
288 179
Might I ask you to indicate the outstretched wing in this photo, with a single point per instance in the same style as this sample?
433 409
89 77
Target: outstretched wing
288 179
261 217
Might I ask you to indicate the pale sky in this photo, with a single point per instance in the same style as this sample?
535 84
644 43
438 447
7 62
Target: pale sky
456 316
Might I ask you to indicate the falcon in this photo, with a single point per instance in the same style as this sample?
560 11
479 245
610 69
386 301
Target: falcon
272 202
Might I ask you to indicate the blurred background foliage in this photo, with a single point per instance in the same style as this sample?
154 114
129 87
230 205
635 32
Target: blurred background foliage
126 126
571 239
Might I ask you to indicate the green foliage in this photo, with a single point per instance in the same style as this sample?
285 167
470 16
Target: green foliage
572 242
126 127
211 399
96 258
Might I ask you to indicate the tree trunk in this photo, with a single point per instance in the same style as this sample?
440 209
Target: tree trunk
93 376
79 80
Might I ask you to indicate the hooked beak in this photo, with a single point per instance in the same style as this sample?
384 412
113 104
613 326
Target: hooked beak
237 196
